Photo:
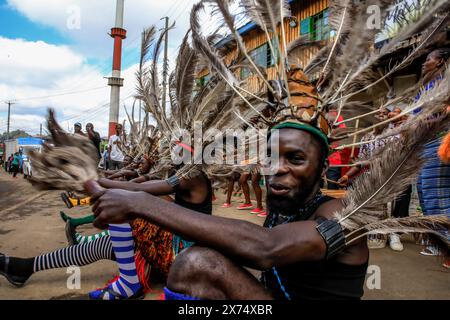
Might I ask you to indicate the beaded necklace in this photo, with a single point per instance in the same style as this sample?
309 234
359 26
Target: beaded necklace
304 213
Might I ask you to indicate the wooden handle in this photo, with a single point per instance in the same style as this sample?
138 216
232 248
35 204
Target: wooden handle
352 154
92 187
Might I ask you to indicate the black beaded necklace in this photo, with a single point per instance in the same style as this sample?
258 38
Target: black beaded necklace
304 213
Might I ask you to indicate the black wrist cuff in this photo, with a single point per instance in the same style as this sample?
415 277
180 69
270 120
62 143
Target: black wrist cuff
174 182
331 231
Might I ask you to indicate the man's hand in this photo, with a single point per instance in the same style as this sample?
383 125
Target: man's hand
254 120
343 181
115 206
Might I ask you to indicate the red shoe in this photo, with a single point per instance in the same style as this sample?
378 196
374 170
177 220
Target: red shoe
262 214
226 205
446 264
245 206
257 210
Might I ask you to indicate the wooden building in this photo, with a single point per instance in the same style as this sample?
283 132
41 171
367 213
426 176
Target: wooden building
309 17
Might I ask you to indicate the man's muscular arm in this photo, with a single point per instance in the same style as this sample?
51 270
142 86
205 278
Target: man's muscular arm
245 242
123 173
155 187
195 188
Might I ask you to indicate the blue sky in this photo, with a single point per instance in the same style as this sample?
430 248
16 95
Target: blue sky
14 25
45 63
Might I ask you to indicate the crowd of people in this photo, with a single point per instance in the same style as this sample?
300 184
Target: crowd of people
14 164
433 184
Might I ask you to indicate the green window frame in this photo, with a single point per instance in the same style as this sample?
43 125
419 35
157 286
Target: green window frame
262 56
317 26
202 81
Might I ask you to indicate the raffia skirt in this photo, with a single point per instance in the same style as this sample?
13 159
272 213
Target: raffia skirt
155 250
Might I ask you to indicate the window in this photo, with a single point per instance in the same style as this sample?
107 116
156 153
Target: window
261 56
317 26
202 81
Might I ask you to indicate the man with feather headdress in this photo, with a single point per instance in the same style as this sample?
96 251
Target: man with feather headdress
285 245
311 246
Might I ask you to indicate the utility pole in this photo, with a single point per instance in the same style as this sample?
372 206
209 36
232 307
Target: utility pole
165 66
40 131
9 103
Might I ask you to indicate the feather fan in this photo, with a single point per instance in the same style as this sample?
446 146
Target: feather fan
389 174
67 163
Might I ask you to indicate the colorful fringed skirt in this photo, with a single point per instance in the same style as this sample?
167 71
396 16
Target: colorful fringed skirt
155 250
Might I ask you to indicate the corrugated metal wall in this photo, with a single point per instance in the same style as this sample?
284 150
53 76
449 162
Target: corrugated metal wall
256 38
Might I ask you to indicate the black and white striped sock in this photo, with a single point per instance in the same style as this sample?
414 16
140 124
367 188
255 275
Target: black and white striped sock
77 255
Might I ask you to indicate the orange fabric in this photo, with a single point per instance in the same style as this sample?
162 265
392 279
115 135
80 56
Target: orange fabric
336 158
154 244
444 149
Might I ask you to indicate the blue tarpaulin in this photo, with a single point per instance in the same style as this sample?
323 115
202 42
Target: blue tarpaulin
29 141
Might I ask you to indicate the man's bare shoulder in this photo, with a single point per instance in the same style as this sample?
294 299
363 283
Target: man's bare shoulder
328 208
355 254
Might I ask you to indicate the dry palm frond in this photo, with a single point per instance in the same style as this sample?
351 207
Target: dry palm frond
267 14
435 225
148 87
184 80
362 73
388 176
203 47
67 164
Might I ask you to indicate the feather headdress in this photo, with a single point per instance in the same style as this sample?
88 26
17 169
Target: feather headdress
349 65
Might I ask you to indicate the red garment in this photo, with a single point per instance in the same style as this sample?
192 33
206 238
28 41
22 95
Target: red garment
336 157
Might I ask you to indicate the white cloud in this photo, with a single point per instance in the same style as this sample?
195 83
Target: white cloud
97 17
51 70
35 62
36 69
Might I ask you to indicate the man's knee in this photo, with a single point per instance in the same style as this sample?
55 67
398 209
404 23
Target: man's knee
195 264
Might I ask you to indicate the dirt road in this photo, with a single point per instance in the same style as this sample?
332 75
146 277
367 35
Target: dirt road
30 225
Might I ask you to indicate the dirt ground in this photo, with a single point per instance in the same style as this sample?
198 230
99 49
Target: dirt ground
30 225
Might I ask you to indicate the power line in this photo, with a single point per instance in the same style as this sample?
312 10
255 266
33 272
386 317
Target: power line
89 112
106 63
100 108
128 44
60 94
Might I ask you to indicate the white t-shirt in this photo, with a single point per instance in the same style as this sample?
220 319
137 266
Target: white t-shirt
116 154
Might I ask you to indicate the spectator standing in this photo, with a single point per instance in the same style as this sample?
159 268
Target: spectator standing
15 164
94 136
77 129
116 155
433 183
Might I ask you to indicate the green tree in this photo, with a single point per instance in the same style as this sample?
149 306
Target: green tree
14 135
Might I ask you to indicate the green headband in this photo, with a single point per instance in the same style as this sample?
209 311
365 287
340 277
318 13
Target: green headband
305 127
